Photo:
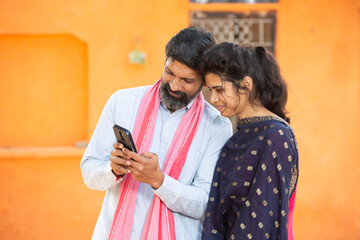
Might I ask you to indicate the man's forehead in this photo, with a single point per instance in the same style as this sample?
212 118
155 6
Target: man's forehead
181 69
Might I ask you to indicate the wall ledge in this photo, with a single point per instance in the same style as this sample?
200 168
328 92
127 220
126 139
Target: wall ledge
41 152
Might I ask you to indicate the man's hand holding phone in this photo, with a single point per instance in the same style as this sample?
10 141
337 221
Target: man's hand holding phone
144 168
118 160
124 159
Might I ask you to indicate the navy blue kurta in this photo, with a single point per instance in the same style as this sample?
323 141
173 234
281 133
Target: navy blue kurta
253 181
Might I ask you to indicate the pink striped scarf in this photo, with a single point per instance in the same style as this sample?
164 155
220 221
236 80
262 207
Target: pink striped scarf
159 215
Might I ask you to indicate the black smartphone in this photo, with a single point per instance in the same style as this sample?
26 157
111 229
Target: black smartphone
124 136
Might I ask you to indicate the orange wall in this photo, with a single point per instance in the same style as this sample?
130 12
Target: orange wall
109 29
45 198
318 50
317 45
44 90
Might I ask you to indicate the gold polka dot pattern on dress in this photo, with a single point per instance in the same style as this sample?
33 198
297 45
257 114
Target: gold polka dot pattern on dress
218 169
207 214
263 166
214 231
271 183
258 191
223 154
211 199
276 224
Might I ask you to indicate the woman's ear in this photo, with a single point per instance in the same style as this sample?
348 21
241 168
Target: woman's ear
247 82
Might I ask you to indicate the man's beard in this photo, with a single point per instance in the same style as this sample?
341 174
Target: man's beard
174 103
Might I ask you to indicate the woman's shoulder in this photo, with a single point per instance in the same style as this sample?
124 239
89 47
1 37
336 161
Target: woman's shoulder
266 130
279 135
277 127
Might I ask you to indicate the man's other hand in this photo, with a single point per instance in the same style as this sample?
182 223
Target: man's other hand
144 168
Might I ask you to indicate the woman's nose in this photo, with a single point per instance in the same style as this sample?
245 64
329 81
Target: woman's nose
213 97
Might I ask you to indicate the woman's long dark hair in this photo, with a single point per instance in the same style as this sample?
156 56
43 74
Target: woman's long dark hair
233 62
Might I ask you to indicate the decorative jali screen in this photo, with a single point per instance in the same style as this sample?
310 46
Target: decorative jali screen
255 27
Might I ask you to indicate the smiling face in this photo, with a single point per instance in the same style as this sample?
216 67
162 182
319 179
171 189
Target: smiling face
179 84
226 99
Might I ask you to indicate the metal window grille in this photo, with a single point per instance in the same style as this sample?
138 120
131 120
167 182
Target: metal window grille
257 27
234 1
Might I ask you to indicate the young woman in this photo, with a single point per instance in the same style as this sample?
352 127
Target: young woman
254 184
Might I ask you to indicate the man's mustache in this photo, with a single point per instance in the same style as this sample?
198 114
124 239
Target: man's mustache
182 94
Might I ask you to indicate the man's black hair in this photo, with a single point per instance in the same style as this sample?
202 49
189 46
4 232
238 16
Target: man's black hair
188 46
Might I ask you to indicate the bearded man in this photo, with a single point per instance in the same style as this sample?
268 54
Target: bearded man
162 191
